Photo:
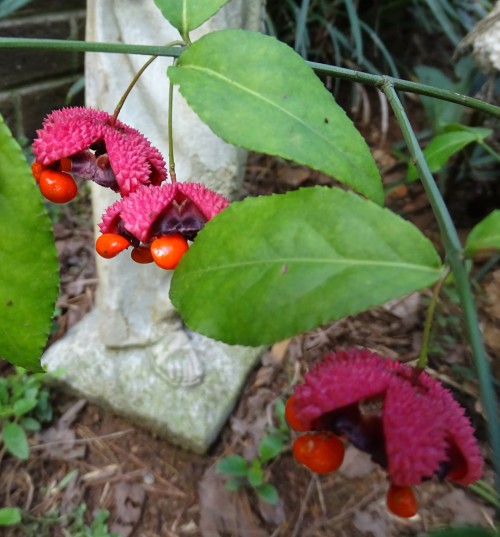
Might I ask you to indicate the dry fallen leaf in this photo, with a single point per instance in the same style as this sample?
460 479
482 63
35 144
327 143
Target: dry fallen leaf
224 512
129 501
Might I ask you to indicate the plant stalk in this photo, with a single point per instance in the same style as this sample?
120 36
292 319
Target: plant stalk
454 257
320 68
63 45
138 75
369 79
429 317
171 160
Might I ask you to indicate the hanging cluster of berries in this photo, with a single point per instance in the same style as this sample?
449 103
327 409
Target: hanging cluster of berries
405 420
155 219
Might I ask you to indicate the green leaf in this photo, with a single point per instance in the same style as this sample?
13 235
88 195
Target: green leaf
28 260
279 410
8 7
485 236
9 516
257 93
269 267
15 440
233 465
23 406
443 146
463 531
186 15
270 447
233 484
30 424
442 112
255 475
268 493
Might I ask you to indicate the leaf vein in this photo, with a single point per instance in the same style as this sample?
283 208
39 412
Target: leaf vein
268 101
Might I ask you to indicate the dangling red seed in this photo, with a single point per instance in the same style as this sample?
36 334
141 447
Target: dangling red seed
142 254
291 418
58 187
322 453
167 251
401 501
36 170
109 245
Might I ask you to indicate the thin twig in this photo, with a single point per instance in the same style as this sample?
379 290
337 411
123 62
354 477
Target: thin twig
83 440
303 508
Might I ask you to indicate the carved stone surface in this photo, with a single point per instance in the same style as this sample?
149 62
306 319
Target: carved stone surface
132 353
134 383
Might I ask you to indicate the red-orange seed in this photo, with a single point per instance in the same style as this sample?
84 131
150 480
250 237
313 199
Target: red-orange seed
322 453
168 250
401 501
109 245
58 187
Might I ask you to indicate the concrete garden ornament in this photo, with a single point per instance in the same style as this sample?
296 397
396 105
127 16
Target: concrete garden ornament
132 353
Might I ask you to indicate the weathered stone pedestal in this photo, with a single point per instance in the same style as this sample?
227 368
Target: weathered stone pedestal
132 354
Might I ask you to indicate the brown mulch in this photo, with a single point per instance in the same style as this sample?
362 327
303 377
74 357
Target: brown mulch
152 488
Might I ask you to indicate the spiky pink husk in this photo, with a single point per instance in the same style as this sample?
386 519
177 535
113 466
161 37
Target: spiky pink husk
420 418
111 217
132 158
141 209
342 378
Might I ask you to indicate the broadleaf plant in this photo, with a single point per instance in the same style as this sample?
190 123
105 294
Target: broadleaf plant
29 273
445 145
301 259
485 236
281 110
186 15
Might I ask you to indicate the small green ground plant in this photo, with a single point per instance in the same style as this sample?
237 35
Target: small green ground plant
71 525
242 473
24 407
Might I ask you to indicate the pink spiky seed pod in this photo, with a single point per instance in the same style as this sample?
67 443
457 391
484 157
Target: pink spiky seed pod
404 419
91 145
153 213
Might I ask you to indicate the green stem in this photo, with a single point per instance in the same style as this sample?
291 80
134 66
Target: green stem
87 46
330 70
405 85
138 75
424 349
454 255
171 161
136 78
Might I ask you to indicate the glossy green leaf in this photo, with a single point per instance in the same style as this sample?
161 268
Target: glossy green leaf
14 439
443 146
23 406
9 516
268 493
30 424
257 93
269 267
233 465
186 15
485 236
255 475
270 447
28 260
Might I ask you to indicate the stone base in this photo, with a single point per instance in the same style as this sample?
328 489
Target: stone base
183 387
